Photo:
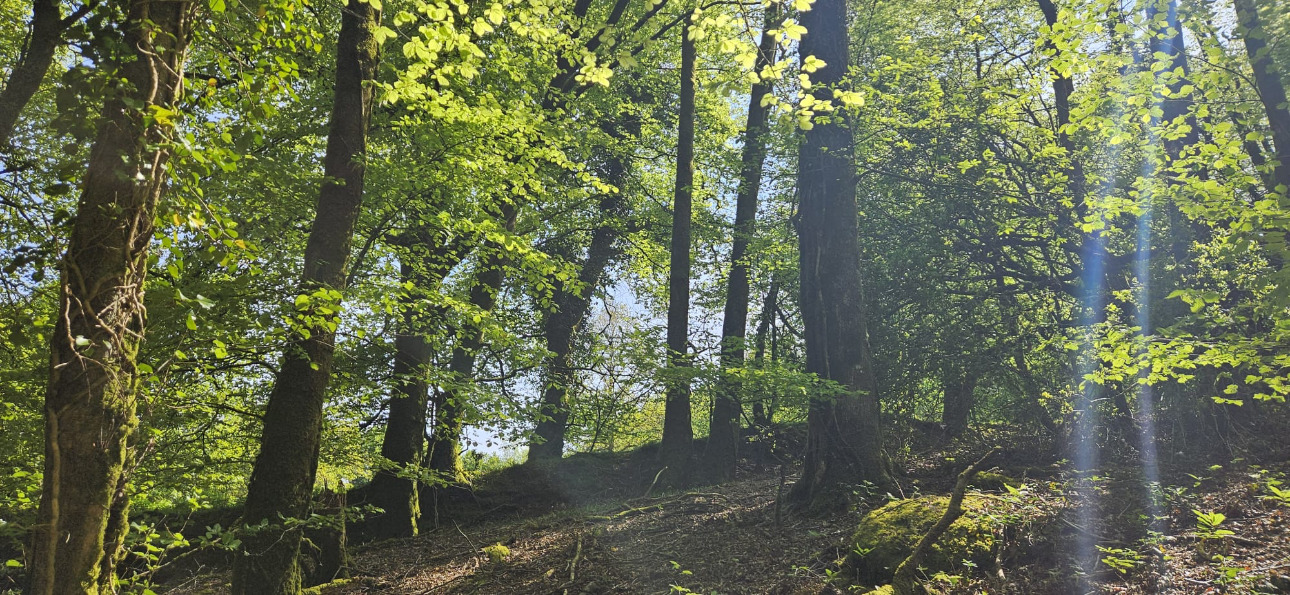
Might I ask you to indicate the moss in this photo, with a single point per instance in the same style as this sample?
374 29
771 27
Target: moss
989 481
320 589
497 552
887 535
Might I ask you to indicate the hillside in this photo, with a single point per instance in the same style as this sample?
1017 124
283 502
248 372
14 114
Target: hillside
588 526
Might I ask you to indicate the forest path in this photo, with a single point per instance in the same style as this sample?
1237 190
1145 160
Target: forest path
717 538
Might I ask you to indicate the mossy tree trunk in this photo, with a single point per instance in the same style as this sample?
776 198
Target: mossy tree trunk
959 385
723 440
678 431
424 266
283 477
91 396
844 437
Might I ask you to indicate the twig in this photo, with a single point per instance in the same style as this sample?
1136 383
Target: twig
573 564
655 482
463 534
903 583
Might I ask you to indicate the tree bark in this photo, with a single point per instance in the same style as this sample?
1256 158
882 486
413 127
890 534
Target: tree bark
958 385
762 413
283 477
91 396
404 428
45 34
1272 92
1063 88
445 442
424 266
678 431
723 439
844 439
571 308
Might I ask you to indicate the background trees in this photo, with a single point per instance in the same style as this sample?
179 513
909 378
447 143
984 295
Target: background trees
1049 198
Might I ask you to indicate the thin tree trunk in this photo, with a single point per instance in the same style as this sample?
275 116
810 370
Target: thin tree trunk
844 439
723 438
761 416
959 385
405 425
1063 88
762 412
424 266
45 34
560 325
1272 91
1170 41
678 432
283 477
90 399
445 443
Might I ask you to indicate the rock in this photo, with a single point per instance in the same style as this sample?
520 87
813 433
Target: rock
989 481
886 536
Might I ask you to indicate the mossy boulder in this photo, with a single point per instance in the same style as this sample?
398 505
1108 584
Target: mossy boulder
886 536
990 481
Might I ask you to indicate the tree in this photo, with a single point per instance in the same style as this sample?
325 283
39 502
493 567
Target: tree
451 402
678 432
395 487
844 431
90 401
723 437
44 37
1272 92
570 310
282 482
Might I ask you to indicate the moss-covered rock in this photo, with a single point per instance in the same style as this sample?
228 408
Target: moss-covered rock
989 481
887 535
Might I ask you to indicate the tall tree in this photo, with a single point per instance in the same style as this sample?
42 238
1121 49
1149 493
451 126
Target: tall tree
1272 92
570 309
844 439
450 403
91 396
283 477
958 384
678 431
423 267
723 438
44 36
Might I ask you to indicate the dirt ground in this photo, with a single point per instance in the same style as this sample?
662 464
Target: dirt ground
593 526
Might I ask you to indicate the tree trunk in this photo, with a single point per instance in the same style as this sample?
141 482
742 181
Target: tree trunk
844 440
761 414
959 400
723 438
404 428
1272 91
283 477
44 36
1063 88
90 398
560 325
424 266
445 443
678 432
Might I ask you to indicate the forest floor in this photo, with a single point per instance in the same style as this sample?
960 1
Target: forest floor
591 526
